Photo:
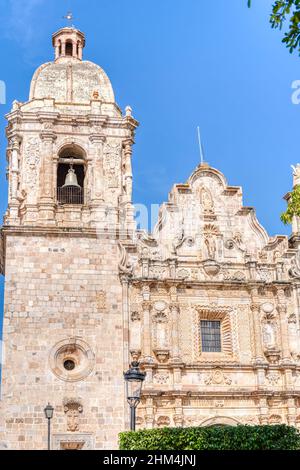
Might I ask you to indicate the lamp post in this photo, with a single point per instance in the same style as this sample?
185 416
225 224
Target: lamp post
49 415
134 379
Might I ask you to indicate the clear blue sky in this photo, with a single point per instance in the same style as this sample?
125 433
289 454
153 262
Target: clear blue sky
179 64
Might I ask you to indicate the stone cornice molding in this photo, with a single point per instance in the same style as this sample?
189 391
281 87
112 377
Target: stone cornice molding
213 309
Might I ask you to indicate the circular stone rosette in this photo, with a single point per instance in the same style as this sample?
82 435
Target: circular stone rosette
71 351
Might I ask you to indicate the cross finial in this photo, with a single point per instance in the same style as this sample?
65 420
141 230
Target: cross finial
69 17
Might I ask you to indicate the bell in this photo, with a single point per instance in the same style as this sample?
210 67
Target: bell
71 179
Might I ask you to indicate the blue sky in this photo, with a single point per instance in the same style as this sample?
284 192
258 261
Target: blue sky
179 64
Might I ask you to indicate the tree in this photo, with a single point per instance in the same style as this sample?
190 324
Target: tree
293 208
286 11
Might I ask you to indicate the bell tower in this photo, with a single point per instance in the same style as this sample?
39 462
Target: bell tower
70 189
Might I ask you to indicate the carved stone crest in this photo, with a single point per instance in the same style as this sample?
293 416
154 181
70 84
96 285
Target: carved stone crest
72 409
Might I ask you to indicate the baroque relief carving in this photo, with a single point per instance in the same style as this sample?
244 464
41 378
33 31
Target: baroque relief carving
206 201
161 378
112 163
73 408
32 160
217 377
295 266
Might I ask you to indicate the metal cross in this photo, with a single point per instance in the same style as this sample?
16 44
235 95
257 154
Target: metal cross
69 17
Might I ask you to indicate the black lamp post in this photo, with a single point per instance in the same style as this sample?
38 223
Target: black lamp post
134 378
49 415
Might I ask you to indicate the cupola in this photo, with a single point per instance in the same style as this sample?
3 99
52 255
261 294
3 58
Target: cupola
68 43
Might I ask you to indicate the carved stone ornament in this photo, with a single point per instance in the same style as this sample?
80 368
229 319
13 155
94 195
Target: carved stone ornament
72 409
273 355
162 355
273 378
125 267
211 267
206 201
160 317
112 162
217 378
135 316
161 378
101 300
163 421
295 266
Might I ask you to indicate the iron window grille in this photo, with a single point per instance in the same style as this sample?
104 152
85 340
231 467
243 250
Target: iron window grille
210 336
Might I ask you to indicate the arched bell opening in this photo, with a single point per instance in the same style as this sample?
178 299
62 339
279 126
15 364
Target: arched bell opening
69 49
71 172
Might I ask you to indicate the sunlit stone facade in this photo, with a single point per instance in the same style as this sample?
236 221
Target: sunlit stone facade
208 303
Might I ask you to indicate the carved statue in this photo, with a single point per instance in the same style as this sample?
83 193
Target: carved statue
269 335
207 201
296 174
211 247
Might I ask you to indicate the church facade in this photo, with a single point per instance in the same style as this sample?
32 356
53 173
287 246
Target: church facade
208 303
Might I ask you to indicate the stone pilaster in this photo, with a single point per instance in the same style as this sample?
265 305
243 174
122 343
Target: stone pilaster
175 310
259 355
14 176
47 188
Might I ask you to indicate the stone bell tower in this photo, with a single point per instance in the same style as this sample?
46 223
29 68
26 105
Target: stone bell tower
70 183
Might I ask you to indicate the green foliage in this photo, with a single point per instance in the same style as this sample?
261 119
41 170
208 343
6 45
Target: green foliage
282 11
279 437
293 206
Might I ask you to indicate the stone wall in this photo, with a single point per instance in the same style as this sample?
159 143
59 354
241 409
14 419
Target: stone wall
63 302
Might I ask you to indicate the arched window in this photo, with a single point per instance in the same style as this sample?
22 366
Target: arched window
69 49
70 176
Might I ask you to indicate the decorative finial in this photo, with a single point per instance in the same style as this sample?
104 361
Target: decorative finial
128 111
296 174
69 17
200 146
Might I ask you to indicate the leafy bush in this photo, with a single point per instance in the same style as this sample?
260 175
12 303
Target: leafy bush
279 437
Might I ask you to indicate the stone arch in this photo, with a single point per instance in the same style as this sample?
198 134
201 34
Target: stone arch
220 421
75 143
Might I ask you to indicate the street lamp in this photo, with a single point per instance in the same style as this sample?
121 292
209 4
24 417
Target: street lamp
49 415
134 379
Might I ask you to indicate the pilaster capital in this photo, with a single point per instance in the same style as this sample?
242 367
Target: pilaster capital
48 136
127 146
174 307
147 305
282 308
15 141
255 307
97 138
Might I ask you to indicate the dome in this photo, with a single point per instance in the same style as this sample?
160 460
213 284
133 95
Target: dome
69 79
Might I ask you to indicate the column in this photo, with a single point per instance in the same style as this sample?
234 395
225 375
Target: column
149 416
46 203
146 346
259 355
175 355
14 176
291 407
127 145
96 180
178 415
63 48
127 186
284 334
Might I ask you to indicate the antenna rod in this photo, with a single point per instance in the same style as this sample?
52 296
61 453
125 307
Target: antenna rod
200 146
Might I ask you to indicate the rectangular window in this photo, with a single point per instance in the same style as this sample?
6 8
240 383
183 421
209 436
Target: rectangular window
210 336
